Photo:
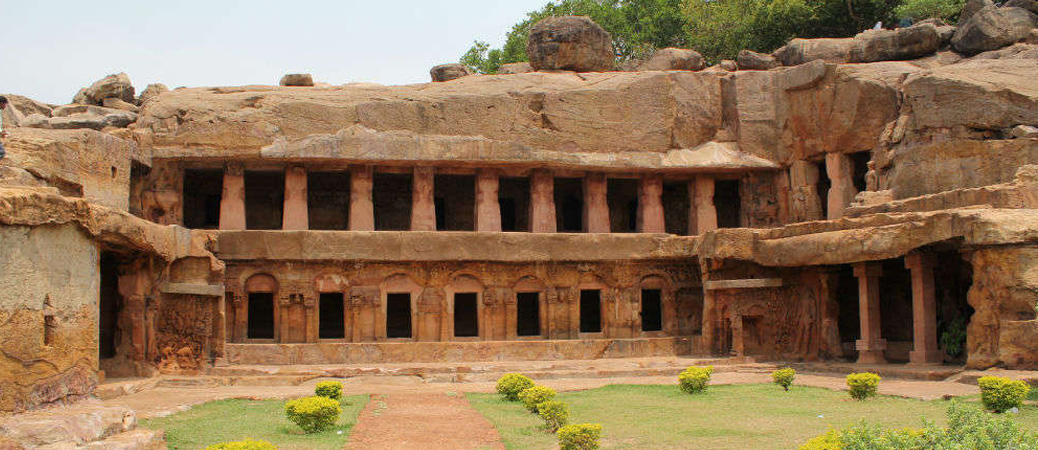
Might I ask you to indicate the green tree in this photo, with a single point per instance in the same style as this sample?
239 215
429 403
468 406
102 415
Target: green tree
947 10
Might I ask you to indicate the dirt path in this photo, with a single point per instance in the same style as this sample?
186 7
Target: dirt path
434 421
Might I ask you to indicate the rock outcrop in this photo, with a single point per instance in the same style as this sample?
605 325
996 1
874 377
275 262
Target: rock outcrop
992 28
895 45
674 59
117 86
448 72
83 116
750 60
150 92
799 51
570 43
514 68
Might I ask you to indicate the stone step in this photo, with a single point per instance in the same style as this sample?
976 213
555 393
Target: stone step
901 371
78 424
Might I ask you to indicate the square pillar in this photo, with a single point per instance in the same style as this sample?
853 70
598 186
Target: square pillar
423 205
703 204
362 209
650 205
542 202
840 169
596 203
296 216
871 345
232 203
805 204
488 206
924 310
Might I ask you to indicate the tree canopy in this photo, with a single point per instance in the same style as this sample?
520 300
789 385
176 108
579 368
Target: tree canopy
718 29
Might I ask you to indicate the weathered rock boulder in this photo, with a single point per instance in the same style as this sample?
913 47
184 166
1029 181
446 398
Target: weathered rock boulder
1025 132
799 51
1030 5
728 65
750 60
117 86
115 103
992 28
946 32
674 59
448 72
971 7
297 79
978 94
81 116
570 43
150 92
1015 51
895 45
514 68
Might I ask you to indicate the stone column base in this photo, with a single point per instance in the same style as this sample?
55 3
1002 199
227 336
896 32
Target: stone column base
871 352
925 357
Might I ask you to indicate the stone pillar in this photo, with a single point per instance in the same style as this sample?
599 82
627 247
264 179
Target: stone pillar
311 320
296 216
871 345
924 310
488 207
423 205
805 203
842 191
362 209
650 205
542 202
596 203
703 201
232 204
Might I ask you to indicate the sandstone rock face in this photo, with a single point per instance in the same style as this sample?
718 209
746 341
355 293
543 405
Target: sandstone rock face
83 116
981 94
448 72
728 65
150 92
297 79
971 7
674 59
749 60
992 28
894 45
115 103
799 51
117 86
513 68
1025 132
570 43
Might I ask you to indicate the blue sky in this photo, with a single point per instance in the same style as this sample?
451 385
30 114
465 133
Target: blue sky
50 49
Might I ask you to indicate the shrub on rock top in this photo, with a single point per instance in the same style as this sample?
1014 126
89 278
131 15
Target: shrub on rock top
1002 394
329 389
694 380
313 414
533 396
863 385
247 444
784 377
580 436
511 384
554 413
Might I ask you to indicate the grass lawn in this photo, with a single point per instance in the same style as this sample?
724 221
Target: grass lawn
736 416
235 420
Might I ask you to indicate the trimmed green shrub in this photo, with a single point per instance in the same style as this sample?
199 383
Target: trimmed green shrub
329 389
863 385
313 414
511 384
693 380
535 395
1002 394
784 377
247 444
580 436
554 413
828 441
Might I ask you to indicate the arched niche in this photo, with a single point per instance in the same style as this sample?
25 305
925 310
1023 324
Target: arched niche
465 316
531 309
400 294
260 308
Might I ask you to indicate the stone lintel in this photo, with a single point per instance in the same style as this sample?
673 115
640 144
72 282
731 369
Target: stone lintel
749 283
207 290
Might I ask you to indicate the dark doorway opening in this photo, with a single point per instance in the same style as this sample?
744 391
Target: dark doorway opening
822 188
569 205
528 314
652 310
203 189
676 206
391 196
455 199
328 200
848 318
398 315
590 311
728 203
331 316
261 315
953 279
110 304
514 196
264 200
466 315
622 195
895 300
861 167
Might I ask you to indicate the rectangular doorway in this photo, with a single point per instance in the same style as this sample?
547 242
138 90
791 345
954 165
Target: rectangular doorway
203 191
331 316
398 315
466 315
590 311
261 315
652 310
528 314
